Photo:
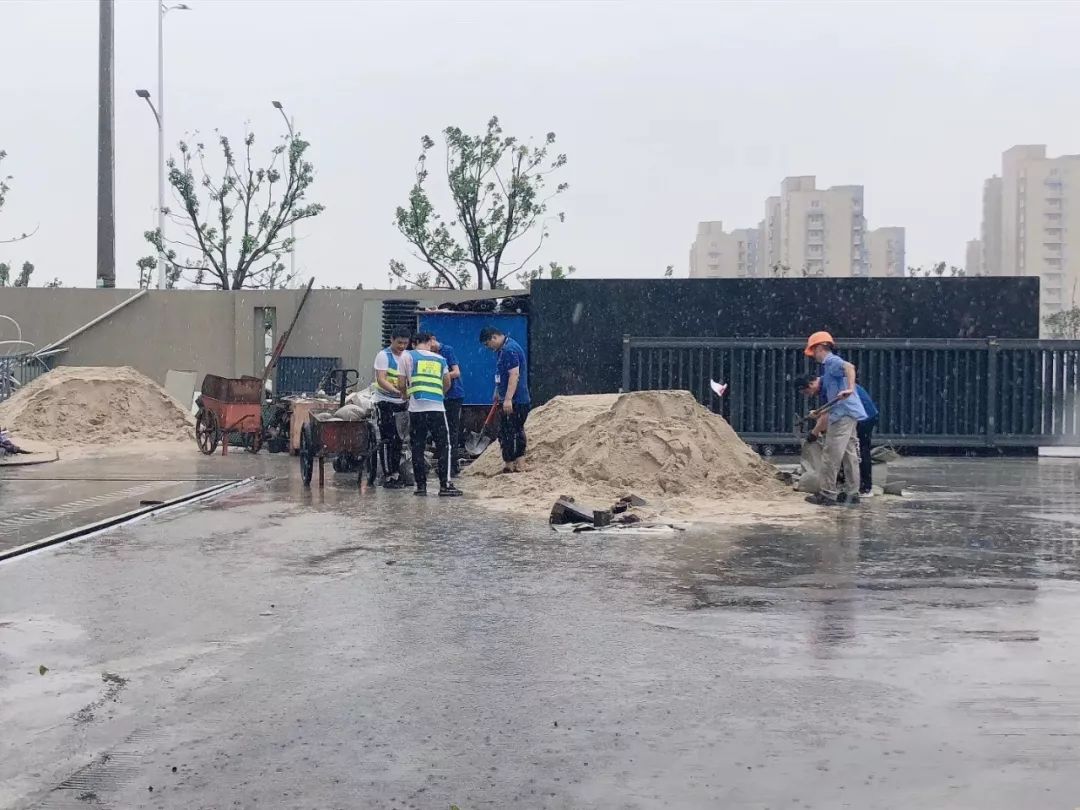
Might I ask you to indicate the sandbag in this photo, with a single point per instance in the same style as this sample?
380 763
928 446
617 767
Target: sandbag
350 413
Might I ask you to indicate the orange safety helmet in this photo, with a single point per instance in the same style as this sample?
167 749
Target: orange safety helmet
815 339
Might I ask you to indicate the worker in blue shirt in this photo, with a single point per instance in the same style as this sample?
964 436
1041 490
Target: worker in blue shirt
512 390
809 385
453 401
838 425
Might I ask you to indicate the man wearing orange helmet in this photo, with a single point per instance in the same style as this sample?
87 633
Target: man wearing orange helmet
839 424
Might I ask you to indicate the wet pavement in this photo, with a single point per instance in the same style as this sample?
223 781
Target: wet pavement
282 648
47 499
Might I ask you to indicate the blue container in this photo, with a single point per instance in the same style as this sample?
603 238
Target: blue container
462 331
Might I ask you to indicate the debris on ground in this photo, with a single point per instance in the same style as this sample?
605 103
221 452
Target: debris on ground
566 510
8 447
95 405
662 446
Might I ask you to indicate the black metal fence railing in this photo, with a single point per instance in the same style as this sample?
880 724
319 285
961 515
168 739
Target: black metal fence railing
935 393
16 370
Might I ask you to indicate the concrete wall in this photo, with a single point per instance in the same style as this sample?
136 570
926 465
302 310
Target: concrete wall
209 332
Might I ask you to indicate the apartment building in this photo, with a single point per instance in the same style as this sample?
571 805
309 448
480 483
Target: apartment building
807 230
885 252
1031 223
974 260
822 231
718 254
990 233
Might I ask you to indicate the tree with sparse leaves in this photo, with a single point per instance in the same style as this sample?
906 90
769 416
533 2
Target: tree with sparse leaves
1064 325
498 186
22 280
937 270
553 271
4 189
147 265
237 239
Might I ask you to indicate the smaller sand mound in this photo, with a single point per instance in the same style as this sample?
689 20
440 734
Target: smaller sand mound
93 405
661 445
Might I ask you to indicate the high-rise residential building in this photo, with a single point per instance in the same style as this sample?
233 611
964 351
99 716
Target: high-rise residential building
770 235
885 252
822 231
718 254
990 233
1031 223
807 231
974 260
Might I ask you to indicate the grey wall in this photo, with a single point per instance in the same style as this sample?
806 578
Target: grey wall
209 332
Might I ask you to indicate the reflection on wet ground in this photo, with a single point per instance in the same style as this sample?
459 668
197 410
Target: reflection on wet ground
295 648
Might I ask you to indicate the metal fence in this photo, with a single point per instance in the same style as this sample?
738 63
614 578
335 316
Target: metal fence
16 370
931 393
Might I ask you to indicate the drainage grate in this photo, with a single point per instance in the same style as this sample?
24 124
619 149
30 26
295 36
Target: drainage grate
90 785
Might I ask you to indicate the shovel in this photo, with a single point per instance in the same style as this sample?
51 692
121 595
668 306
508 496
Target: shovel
477 443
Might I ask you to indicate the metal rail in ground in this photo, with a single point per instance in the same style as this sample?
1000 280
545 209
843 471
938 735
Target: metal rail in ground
118 520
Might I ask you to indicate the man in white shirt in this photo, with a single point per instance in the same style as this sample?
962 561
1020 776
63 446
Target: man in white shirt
389 401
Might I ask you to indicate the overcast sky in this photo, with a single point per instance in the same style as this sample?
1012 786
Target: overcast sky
670 113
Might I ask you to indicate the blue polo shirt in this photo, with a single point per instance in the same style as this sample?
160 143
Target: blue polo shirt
833 381
871 409
457 390
512 356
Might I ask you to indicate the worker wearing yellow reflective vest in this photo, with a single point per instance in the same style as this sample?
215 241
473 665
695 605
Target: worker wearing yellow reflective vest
427 379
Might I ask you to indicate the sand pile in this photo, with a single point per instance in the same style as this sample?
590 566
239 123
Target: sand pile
661 445
95 406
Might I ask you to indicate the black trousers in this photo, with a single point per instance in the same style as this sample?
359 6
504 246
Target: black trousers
512 433
390 444
453 422
421 425
865 430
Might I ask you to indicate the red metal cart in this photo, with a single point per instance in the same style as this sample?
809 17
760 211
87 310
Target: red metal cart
229 406
350 444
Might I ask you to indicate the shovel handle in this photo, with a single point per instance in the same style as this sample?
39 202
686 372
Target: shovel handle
491 415
814 414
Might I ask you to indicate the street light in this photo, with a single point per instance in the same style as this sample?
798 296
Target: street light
145 96
292 226
159 116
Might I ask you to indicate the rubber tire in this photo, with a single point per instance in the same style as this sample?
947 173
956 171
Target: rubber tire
207 432
307 455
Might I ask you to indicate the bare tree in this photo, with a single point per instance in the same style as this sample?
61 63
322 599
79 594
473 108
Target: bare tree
237 239
497 185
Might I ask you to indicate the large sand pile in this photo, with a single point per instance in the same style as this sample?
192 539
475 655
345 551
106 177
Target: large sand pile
95 406
661 445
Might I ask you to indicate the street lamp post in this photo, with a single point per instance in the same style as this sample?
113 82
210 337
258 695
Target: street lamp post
292 225
159 116
145 95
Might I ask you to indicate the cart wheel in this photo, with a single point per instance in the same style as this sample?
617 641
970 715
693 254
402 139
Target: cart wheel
207 434
307 454
253 441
